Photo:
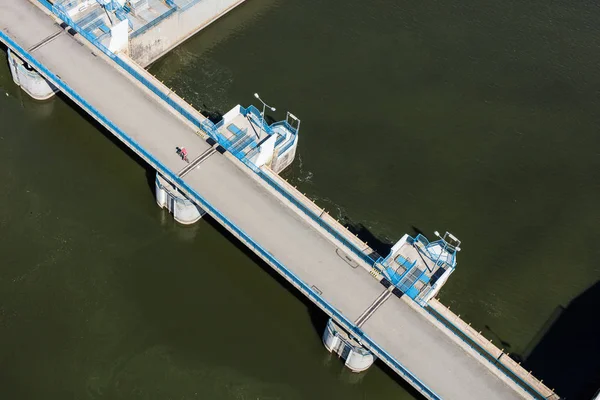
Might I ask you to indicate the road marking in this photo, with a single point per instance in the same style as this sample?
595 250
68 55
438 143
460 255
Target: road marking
197 161
45 41
374 306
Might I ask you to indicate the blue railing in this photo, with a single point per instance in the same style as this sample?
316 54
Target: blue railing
280 139
256 116
237 138
66 3
393 273
122 15
189 191
239 148
420 238
287 126
90 17
404 262
287 146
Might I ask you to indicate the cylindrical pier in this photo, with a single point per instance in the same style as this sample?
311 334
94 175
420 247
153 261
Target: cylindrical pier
356 357
28 79
167 196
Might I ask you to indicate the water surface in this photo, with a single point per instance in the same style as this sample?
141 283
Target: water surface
477 117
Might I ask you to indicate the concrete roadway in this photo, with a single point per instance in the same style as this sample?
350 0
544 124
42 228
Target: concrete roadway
408 334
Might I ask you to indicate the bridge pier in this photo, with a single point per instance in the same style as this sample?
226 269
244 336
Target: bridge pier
184 210
28 79
338 341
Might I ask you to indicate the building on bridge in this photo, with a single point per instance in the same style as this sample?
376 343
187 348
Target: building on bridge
419 268
414 267
142 29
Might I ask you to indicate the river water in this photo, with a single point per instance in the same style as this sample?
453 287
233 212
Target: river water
478 117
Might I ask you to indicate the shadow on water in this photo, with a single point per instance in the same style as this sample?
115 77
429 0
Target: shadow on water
417 231
381 246
317 317
213 115
150 173
396 378
505 345
565 353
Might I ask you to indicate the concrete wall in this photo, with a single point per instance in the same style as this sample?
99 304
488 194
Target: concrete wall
231 114
173 30
266 151
282 161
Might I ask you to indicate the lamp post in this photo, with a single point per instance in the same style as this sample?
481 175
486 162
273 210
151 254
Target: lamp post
265 105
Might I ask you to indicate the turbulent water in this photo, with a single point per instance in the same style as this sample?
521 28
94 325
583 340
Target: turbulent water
478 117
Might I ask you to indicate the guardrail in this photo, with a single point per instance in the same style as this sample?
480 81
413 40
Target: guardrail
189 191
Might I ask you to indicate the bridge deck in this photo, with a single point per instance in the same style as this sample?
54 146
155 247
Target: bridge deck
405 332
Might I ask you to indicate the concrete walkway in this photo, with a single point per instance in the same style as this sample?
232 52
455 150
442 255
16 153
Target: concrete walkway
407 333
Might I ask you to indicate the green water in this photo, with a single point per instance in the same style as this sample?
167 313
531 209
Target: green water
477 117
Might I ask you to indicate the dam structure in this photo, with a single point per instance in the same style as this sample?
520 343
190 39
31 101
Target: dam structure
380 307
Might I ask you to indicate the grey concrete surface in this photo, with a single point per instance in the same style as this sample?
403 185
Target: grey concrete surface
428 352
409 336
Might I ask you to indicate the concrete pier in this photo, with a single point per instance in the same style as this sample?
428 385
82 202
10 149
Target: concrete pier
28 79
184 210
338 341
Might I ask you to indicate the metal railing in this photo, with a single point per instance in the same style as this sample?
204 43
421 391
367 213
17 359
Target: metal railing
287 146
257 118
